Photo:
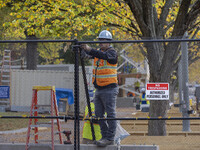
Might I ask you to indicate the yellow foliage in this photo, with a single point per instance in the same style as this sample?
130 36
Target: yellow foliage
194 71
113 32
63 17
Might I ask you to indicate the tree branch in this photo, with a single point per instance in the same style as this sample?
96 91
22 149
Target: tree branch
175 64
193 13
193 60
121 17
168 26
180 26
119 26
194 26
142 50
136 8
148 17
179 29
162 20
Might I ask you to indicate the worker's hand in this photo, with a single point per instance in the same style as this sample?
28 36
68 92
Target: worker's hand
86 47
84 55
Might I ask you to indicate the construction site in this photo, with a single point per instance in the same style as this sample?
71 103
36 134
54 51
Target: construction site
54 113
99 74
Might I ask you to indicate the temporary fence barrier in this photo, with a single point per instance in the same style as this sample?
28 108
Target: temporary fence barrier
66 118
76 118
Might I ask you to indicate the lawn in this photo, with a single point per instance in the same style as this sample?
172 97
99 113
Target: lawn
13 124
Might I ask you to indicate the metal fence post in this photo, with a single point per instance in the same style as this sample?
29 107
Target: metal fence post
76 98
185 106
87 97
180 85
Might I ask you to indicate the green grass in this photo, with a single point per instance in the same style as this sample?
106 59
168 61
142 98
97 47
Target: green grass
13 124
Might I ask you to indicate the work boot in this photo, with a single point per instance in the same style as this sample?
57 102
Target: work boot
95 142
104 142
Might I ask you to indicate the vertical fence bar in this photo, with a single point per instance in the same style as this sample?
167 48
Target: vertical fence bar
180 81
87 97
185 108
76 98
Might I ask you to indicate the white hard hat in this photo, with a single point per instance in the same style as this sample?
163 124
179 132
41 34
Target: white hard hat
143 90
105 35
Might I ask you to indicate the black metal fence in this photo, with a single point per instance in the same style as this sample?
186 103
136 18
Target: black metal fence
76 117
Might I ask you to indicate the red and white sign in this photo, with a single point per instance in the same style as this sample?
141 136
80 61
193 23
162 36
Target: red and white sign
157 91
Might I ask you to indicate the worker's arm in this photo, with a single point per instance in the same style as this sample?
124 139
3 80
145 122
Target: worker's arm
85 55
110 55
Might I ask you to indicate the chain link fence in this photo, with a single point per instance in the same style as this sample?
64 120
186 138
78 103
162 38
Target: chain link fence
131 117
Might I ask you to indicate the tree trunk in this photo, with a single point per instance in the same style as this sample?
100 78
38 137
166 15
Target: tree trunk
162 57
31 53
158 108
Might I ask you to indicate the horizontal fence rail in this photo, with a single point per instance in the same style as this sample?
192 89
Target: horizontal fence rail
34 41
112 41
76 45
82 119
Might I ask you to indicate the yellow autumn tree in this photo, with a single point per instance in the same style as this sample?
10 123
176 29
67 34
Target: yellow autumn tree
144 19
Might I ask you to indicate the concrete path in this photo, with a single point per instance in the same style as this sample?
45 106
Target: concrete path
82 147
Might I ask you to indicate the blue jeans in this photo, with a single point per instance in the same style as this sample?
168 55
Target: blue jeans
105 101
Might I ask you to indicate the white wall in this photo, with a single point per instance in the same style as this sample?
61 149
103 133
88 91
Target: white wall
22 82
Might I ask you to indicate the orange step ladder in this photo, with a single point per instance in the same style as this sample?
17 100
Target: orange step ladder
36 124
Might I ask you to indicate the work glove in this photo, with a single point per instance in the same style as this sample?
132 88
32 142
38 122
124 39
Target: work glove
84 55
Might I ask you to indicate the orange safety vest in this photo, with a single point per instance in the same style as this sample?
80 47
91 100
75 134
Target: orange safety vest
104 72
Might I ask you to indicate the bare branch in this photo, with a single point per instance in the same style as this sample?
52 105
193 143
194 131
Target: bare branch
195 33
168 26
193 60
142 50
120 26
192 27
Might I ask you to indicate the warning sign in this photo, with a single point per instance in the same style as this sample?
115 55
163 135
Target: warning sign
157 91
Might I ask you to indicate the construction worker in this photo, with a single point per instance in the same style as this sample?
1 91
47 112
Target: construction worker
137 86
130 94
87 133
106 84
143 97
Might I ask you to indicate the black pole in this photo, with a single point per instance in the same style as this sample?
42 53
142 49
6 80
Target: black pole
87 97
76 98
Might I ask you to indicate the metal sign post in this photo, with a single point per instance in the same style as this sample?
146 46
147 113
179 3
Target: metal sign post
185 106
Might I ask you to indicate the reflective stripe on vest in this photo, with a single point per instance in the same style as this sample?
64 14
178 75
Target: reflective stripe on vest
104 72
144 99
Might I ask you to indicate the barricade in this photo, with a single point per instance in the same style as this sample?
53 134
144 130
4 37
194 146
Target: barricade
76 118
